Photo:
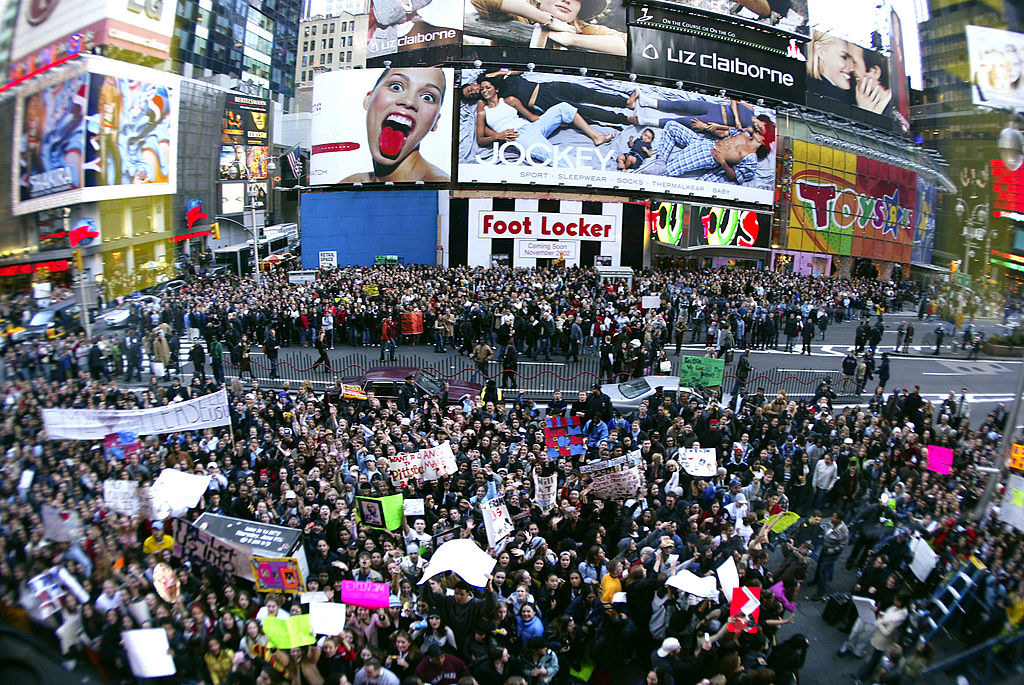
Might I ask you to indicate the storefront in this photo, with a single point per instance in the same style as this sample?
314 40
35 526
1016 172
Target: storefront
801 263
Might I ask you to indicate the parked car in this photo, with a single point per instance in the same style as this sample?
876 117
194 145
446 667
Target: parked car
55 321
384 383
118 317
167 287
628 395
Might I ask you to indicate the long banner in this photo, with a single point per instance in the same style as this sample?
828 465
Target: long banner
208 411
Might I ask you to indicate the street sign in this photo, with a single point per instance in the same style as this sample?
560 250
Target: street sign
328 259
963 279
1017 457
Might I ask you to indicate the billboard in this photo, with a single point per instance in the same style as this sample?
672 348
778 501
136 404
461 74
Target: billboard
592 26
898 73
711 52
591 132
245 121
1007 189
848 205
399 26
729 227
52 139
785 15
924 221
244 151
382 125
997 67
848 74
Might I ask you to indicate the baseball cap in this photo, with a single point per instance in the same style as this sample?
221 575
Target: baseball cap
669 646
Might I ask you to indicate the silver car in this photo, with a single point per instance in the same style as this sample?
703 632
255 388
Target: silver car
628 395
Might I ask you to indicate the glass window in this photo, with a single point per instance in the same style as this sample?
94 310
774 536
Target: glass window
330 57
332 27
348 56
634 388
330 42
314 30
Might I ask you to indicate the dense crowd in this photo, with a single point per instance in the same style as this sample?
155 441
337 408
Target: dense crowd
579 593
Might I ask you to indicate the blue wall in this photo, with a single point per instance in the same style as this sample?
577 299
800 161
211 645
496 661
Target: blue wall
361 225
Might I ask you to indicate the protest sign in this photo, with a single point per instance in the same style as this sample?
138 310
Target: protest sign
412 323
121 445
313 597
728 576
1012 509
202 547
924 559
746 603
208 411
545 492
650 301
61 526
352 392
614 484
285 633
122 496
784 521
175 492
685 581
413 507
166 582
383 513
700 372
700 462
327 618
149 652
365 593
438 461
940 459
463 558
563 437
405 467
439 538
865 609
276 575
25 481
497 521
47 589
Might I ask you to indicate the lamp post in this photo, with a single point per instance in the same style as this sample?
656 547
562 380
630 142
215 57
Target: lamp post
254 192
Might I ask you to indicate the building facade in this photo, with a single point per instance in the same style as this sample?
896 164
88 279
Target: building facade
330 42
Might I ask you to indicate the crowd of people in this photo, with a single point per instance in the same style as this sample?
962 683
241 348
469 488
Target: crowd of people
579 593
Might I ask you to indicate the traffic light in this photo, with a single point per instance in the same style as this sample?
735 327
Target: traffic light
215 230
78 261
954 265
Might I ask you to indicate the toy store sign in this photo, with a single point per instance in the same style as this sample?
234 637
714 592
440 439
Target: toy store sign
547 225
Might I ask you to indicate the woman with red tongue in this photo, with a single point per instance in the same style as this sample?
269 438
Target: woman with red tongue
403 107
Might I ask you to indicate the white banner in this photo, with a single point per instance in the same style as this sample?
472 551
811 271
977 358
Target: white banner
545 492
438 461
208 411
462 557
702 462
405 467
1012 509
122 496
497 521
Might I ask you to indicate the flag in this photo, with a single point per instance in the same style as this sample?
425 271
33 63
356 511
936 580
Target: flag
293 161
563 437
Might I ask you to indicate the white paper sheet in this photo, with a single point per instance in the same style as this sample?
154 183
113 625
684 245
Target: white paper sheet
728 576
326 618
175 492
865 609
412 507
148 652
312 597
706 587
463 558
924 559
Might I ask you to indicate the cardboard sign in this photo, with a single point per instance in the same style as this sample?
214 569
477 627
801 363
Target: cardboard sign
121 445
364 593
352 392
149 653
701 372
785 521
1017 457
924 559
121 496
545 490
327 618
438 461
201 547
940 459
276 575
285 633
463 558
685 581
412 323
405 467
616 484
497 521
746 603
701 462
413 507
175 492
1011 511
563 437
47 589
61 526
382 513
728 576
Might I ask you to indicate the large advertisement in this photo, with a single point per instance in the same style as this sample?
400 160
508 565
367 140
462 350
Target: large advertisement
398 26
848 74
785 15
244 151
706 50
591 132
997 67
924 222
581 25
382 125
96 136
682 225
848 205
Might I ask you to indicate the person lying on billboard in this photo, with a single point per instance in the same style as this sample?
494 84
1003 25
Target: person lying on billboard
567 22
732 159
714 118
639 150
385 18
403 107
507 119
844 71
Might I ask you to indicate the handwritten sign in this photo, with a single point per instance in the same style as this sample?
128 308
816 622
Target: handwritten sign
352 392
545 491
276 574
412 323
746 603
208 411
1017 457
940 459
701 372
701 462
1012 509
438 461
364 593
405 467
497 521
200 547
62 526
121 496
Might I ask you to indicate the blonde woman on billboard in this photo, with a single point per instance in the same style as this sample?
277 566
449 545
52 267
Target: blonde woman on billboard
401 109
567 22
838 69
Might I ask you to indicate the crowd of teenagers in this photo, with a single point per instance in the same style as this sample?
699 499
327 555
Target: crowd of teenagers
579 593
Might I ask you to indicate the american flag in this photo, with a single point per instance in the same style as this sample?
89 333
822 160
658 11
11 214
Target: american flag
293 161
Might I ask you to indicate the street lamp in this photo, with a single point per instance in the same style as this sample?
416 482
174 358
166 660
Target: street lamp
254 191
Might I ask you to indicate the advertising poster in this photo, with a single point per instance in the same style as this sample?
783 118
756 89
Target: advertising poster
729 226
233 165
232 198
130 132
997 67
52 138
898 73
713 52
785 15
245 120
668 222
592 132
381 125
256 157
401 26
244 151
582 25
924 222
843 204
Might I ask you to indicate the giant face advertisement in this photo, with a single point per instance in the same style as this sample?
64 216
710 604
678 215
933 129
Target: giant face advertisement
596 26
785 15
556 130
709 51
52 139
382 125
244 153
997 67
398 25
848 205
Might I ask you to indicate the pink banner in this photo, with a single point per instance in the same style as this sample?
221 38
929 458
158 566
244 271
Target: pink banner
940 459
364 593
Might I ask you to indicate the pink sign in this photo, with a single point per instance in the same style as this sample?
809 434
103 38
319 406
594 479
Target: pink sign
364 593
940 459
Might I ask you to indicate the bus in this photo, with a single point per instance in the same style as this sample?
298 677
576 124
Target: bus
238 258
